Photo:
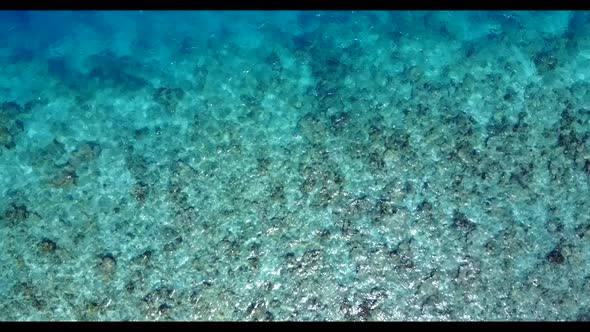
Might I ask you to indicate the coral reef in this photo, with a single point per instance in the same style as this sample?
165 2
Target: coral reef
363 166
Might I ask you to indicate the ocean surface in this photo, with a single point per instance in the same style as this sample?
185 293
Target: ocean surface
300 166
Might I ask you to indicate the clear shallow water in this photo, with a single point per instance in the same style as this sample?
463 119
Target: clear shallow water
294 166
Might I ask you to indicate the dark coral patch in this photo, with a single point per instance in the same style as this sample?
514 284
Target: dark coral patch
555 256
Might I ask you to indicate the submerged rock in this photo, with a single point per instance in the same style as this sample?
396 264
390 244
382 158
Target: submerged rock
461 222
49 155
545 62
10 110
385 207
312 127
65 178
16 213
414 74
168 98
86 152
108 264
274 62
10 125
47 246
141 191
6 137
144 258
555 256
339 121
141 133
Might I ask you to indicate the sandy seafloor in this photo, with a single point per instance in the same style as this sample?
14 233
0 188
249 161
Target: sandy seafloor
294 166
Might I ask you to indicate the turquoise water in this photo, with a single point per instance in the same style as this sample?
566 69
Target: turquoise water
294 166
